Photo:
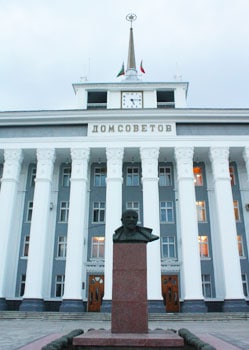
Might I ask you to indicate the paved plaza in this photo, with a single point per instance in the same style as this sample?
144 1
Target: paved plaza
15 333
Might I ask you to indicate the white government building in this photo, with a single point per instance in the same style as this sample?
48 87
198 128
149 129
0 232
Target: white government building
67 176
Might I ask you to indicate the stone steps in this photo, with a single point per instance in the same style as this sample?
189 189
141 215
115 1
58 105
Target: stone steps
99 316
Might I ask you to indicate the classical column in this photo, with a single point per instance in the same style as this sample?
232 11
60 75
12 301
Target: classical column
191 267
229 261
151 218
72 298
35 275
9 184
113 215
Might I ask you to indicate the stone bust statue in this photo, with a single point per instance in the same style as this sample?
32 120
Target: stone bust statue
130 232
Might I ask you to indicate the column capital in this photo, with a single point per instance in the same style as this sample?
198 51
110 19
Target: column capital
12 163
149 153
80 153
219 160
45 158
44 154
13 155
149 157
114 163
114 154
184 161
246 159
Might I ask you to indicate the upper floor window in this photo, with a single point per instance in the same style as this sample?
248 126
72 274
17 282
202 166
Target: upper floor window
245 284
98 247
98 212
99 177
33 176
134 205
206 286
168 247
198 178
201 211
29 211
62 247
165 176
203 246
166 211
59 285
22 285
64 211
236 210
66 176
26 246
132 176
240 245
232 175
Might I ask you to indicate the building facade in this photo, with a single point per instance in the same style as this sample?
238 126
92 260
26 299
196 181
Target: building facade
67 175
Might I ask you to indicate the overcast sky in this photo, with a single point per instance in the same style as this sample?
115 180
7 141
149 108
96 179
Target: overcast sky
46 45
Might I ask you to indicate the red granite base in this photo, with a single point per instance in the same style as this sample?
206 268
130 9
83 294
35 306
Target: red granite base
103 339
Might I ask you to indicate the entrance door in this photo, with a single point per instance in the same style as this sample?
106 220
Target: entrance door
170 293
95 292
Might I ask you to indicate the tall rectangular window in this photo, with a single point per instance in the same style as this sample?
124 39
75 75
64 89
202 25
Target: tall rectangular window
64 211
232 175
99 177
99 212
132 176
29 211
62 247
245 284
203 246
59 285
66 176
166 212
134 206
98 247
33 176
201 211
206 286
236 210
240 245
168 247
198 178
22 285
26 246
165 176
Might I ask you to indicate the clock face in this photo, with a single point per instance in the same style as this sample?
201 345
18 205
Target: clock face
132 99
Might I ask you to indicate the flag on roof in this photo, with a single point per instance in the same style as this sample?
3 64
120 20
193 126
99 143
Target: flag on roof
141 67
121 72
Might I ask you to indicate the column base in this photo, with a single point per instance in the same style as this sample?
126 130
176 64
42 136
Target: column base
156 306
193 306
106 306
72 305
235 305
32 305
3 304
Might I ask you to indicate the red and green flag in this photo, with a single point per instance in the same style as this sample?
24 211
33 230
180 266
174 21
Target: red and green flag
141 67
121 72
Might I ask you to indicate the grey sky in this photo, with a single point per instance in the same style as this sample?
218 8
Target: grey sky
46 45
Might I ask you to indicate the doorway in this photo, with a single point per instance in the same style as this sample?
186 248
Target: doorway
170 293
95 292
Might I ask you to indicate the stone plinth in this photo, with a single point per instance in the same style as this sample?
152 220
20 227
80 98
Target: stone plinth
129 290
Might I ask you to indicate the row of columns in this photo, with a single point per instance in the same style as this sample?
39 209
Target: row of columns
190 267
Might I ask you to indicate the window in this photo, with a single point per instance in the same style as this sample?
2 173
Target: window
134 206
165 176
62 247
26 245
168 247
32 176
132 176
29 211
98 212
206 286
59 285
201 211
203 246
66 176
98 247
240 245
166 212
64 211
244 284
232 175
198 178
236 210
99 177
22 285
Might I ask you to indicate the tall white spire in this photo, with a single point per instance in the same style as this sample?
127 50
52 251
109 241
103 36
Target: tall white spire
131 70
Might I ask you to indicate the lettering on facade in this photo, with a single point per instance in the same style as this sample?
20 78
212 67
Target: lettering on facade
131 128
